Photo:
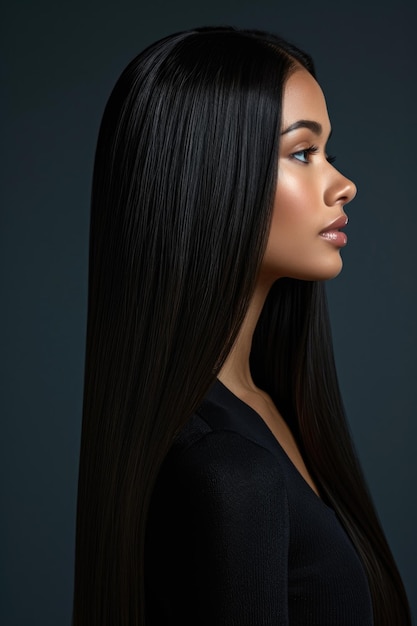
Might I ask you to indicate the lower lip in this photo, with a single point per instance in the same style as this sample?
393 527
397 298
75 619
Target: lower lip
335 237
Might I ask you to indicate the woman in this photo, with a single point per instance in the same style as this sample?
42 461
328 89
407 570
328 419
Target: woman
218 483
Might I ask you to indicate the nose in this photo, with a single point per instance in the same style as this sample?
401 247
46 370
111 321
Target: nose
341 190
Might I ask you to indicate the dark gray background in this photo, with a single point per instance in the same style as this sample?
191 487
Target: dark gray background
59 63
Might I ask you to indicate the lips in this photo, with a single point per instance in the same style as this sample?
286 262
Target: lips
332 233
339 223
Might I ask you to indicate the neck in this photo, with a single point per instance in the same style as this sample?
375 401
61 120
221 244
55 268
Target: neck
235 372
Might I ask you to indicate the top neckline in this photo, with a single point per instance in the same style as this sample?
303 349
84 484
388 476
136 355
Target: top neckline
250 424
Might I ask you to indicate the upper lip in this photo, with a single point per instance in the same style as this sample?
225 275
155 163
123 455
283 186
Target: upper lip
340 222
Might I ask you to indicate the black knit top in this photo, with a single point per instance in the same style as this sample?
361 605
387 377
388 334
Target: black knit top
237 537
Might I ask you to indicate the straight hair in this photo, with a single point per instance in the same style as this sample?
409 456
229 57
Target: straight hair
183 185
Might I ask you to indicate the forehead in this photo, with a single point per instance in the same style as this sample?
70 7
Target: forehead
303 99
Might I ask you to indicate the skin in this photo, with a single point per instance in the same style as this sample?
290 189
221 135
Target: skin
310 195
310 192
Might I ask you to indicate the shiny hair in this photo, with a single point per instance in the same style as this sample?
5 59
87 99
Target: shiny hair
184 179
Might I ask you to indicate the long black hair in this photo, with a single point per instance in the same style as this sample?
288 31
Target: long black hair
183 186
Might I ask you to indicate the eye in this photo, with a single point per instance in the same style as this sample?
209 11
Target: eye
303 156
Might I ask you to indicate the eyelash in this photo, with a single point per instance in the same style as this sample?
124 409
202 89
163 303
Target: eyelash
308 151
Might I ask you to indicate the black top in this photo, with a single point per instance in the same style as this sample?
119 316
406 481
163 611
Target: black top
237 537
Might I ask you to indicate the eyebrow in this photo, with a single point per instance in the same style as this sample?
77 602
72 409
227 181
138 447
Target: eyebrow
315 127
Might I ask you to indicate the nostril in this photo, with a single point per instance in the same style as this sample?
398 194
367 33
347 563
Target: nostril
349 192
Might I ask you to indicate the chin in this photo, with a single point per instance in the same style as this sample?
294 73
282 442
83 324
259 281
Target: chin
326 269
330 272
326 272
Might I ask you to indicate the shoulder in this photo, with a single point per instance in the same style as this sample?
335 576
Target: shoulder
224 424
224 465
215 464
219 527
227 486
201 441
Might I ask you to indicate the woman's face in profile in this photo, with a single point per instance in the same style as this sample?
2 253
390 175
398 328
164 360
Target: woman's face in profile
304 241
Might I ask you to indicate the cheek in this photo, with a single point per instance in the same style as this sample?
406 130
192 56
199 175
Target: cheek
290 205
294 247
296 200
291 223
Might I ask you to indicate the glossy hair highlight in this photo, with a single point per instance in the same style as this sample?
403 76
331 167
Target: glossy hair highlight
183 186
